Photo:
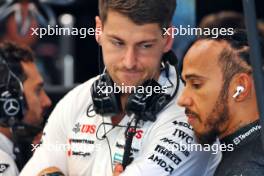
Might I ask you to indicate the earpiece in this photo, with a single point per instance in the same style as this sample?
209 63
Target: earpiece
239 90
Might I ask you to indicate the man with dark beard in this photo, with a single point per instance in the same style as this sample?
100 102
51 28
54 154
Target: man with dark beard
220 101
23 103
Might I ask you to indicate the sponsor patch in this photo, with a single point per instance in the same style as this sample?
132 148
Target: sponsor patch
160 162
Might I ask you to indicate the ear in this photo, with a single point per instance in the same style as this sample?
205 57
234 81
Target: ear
169 38
98 26
245 80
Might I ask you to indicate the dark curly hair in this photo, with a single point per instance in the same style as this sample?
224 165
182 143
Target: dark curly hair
14 54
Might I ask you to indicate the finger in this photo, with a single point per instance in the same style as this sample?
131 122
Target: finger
118 169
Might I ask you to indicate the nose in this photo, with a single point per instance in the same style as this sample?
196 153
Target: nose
130 60
184 100
45 102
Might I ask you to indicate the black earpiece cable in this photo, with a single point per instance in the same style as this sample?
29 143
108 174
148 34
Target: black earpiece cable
105 133
130 133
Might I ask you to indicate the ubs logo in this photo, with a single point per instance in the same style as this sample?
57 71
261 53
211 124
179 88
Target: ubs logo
84 128
88 129
138 133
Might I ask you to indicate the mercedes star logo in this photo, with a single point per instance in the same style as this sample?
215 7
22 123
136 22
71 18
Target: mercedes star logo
11 107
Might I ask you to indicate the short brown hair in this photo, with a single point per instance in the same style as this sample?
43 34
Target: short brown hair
140 11
14 54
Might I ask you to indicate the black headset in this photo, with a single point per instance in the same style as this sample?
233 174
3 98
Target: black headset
142 104
12 104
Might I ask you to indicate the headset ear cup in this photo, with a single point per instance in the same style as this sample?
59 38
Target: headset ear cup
105 103
11 108
147 106
11 93
115 97
161 101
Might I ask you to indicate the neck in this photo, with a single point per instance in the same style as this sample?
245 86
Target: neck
240 118
117 118
124 99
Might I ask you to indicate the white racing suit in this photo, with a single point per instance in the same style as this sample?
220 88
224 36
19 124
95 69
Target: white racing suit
76 141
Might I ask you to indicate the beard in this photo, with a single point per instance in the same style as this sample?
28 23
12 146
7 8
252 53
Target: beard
215 121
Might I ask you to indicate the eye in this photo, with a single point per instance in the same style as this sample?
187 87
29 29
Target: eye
146 45
117 43
196 86
38 90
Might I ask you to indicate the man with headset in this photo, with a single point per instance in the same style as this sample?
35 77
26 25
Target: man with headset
223 103
128 114
22 105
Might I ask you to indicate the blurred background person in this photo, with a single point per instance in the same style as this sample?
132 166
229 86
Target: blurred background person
22 106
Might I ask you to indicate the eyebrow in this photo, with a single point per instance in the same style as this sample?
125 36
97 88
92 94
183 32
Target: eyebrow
141 42
114 37
192 76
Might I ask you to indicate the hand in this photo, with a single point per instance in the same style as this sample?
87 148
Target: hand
51 171
118 170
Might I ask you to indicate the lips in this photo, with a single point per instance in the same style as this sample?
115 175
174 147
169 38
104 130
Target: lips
191 116
190 119
131 73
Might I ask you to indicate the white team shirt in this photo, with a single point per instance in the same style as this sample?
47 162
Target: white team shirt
87 153
7 164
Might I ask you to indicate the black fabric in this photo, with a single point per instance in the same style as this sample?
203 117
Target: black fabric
247 158
22 138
